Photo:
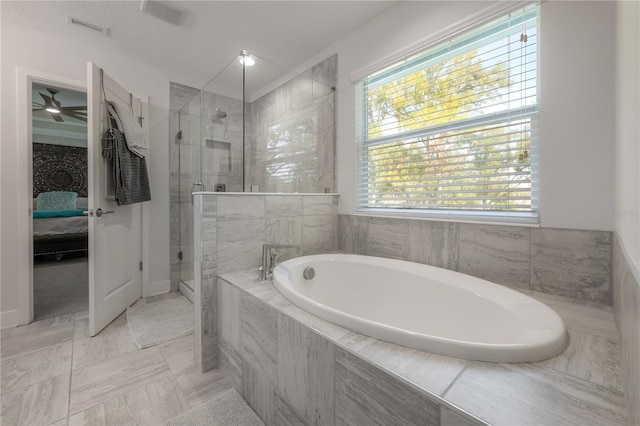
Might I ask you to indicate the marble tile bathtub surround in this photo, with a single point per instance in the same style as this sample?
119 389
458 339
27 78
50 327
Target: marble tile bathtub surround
571 263
627 312
376 382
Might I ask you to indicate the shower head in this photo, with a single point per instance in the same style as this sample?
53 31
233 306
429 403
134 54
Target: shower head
220 113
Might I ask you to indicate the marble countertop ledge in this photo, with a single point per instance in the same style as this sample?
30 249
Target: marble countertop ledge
580 386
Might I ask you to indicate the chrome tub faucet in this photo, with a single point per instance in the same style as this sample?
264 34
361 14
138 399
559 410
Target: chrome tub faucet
270 259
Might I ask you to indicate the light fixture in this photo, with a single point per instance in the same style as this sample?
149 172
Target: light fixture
245 58
51 104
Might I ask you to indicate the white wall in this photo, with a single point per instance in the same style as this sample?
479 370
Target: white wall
68 59
576 101
627 171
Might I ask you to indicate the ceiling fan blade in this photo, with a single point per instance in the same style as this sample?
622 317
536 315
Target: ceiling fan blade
37 109
47 99
56 117
80 117
74 108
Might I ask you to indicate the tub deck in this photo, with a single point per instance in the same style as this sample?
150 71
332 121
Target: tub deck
582 385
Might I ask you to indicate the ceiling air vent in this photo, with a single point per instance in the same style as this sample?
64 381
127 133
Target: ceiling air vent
86 25
163 10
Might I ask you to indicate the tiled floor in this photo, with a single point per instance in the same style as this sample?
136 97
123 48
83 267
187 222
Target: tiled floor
54 373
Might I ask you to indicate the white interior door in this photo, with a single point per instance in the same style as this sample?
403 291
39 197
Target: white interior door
115 238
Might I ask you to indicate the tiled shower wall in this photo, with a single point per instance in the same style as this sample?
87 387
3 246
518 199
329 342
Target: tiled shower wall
294 128
290 147
571 263
230 230
626 292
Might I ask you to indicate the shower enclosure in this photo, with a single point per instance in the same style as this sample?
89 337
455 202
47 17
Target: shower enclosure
229 136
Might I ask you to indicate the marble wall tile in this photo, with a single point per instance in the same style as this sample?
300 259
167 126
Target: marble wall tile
495 253
284 231
388 238
239 207
368 395
305 371
353 233
229 314
571 263
486 389
301 91
284 415
283 205
231 364
434 243
317 234
210 353
626 292
153 403
317 205
209 300
24 370
326 71
240 244
41 403
258 393
259 336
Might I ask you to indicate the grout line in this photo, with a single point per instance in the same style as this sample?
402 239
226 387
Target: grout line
448 388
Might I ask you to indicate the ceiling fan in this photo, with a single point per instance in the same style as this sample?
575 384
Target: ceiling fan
56 110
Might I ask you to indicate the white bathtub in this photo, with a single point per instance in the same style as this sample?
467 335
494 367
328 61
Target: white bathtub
423 307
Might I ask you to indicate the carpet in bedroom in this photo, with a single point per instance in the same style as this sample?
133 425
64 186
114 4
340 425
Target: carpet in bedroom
60 288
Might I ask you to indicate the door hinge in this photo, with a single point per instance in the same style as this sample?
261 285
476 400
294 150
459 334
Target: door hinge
180 255
141 265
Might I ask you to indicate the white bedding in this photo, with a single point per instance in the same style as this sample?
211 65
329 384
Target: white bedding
60 226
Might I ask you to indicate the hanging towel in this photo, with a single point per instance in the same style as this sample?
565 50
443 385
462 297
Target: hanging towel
130 175
134 135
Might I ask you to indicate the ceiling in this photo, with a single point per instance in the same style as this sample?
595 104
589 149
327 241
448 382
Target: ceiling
284 33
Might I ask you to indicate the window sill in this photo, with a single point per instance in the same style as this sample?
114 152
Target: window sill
531 220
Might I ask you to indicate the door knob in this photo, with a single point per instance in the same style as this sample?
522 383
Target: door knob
100 212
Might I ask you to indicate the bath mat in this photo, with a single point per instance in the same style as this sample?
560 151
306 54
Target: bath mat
154 322
226 409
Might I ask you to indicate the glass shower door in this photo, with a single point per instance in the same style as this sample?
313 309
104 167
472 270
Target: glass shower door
190 175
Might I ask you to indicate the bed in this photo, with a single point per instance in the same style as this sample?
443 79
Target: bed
60 232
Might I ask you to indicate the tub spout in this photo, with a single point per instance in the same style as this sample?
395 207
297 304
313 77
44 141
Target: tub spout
269 260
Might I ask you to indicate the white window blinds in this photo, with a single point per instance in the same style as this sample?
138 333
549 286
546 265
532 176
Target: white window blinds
452 130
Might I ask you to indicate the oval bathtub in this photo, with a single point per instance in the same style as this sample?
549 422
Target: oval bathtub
423 307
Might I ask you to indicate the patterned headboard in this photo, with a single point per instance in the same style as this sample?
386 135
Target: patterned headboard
59 168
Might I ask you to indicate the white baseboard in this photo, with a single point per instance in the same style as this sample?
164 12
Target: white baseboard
157 287
9 318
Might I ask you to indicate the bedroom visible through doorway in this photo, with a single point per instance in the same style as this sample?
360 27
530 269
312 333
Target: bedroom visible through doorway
60 198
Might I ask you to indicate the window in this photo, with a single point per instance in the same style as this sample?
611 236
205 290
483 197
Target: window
452 130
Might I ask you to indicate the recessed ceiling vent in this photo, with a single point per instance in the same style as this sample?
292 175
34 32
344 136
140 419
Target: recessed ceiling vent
164 10
97 29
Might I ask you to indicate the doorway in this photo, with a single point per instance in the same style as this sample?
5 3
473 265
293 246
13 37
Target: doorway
60 198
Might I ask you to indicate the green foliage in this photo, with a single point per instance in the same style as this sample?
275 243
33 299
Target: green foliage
478 168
